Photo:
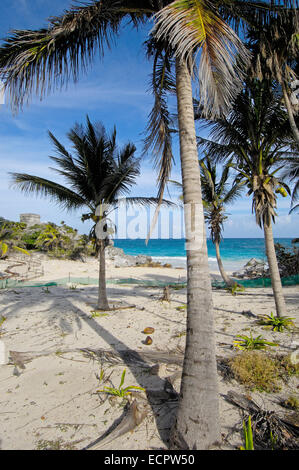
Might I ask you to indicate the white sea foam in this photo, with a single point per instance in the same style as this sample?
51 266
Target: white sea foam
179 261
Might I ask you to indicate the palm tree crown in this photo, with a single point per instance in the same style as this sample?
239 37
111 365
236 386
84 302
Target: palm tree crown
257 135
216 195
275 56
97 173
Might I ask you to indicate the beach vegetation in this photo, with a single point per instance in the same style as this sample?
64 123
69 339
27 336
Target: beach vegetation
288 260
247 343
98 314
120 391
2 320
73 287
275 56
10 240
61 242
181 307
247 433
217 193
259 370
235 288
288 366
256 371
292 402
215 196
277 323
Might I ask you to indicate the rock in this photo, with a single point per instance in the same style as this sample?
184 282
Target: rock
142 259
252 270
120 259
252 262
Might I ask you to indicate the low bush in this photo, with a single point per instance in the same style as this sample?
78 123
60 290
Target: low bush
256 371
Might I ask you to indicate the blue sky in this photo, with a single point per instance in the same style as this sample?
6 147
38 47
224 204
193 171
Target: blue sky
115 91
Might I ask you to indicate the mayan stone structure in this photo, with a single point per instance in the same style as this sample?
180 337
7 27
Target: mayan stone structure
30 219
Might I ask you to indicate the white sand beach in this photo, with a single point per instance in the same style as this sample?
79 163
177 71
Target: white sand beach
51 400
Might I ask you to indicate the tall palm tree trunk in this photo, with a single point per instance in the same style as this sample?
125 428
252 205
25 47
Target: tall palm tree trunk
274 271
287 102
197 422
228 281
102 294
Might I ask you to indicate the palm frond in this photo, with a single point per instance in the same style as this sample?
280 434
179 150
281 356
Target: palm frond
159 129
146 201
98 173
193 25
36 62
159 133
46 188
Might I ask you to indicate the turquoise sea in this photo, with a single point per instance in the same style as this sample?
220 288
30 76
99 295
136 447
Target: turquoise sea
235 252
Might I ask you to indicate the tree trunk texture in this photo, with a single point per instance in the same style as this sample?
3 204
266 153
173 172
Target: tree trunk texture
228 281
274 271
197 423
294 128
102 294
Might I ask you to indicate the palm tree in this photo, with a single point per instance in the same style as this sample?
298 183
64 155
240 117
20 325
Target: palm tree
275 55
97 175
257 136
35 62
292 174
216 195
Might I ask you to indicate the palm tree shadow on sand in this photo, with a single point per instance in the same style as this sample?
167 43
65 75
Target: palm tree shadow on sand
162 400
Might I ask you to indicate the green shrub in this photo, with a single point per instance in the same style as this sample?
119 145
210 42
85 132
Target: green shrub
256 371
250 343
287 259
277 323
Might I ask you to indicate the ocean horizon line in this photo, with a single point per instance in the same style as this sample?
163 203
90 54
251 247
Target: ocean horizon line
226 238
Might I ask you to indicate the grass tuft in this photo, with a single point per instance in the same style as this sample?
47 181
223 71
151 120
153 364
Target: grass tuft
256 371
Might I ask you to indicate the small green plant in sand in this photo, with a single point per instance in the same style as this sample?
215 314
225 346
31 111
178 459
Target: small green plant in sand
120 392
2 320
235 288
289 366
277 323
98 314
256 370
59 444
292 402
181 307
73 287
247 343
247 432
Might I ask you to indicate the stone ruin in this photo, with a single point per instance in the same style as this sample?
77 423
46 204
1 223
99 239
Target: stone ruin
30 219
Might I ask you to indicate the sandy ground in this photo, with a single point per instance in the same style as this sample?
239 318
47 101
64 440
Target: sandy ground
52 402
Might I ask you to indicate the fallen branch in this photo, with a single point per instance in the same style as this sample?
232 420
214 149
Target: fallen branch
103 355
270 430
133 417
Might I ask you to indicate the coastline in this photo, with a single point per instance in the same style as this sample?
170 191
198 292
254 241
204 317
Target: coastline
235 252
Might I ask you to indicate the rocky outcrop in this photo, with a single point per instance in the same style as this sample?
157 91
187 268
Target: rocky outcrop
118 257
254 269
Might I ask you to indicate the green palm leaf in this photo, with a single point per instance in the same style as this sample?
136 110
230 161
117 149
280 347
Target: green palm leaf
190 25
